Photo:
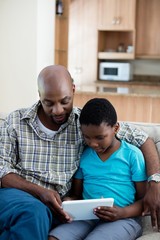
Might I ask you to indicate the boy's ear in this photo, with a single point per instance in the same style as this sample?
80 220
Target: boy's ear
117 126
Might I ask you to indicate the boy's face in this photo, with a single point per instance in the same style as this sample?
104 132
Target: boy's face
101 137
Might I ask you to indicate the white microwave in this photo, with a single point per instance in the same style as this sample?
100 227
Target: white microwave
117 71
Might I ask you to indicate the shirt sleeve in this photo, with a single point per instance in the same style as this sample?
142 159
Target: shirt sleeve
78 174
8 150
132 134
138 168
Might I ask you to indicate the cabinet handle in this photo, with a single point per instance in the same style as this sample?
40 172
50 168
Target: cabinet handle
78 70
118 20
114 21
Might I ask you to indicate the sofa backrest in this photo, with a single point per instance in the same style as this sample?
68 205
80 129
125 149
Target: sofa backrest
152 129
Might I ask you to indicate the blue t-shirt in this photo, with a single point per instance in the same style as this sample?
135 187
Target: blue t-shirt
114 177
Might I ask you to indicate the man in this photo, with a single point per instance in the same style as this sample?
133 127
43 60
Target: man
40 149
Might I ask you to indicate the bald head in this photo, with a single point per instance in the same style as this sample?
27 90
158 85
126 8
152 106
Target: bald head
54 77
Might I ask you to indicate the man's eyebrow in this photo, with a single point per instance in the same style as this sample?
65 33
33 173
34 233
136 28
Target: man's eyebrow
66 97
46 100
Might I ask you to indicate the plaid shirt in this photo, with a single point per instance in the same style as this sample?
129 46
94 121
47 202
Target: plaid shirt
132 134
49 162
29 152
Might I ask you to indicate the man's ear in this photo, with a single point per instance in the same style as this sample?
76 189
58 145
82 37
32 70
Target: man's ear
73 87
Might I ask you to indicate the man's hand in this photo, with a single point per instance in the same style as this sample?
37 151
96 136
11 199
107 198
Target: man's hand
151 203
52 199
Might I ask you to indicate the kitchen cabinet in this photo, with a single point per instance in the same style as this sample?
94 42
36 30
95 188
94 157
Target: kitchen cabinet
61 35
109 42
116 15
116 28
130 107
147 25
82 56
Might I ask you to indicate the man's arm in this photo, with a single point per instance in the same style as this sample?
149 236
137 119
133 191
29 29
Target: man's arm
152 197
13 180
49 197
151 156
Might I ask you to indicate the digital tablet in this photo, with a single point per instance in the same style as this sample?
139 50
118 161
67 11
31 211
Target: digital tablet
83 209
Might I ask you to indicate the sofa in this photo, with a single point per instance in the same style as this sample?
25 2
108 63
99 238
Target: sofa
153 131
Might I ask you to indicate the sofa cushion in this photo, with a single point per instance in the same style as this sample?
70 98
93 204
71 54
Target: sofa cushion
150 236
148 232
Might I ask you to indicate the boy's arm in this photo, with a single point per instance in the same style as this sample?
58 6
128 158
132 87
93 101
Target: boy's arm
76 190
115 213
136 208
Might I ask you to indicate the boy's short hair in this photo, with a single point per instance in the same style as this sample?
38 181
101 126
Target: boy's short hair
98 110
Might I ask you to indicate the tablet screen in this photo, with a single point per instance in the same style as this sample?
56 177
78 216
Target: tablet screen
83 209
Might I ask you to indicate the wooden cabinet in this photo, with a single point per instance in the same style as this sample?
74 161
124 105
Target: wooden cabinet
130 107
147 27
108 42
116 26
116 14
82 57
61 35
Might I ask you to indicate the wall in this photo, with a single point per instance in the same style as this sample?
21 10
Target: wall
26 46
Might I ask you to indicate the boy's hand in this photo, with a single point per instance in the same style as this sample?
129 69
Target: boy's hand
109 213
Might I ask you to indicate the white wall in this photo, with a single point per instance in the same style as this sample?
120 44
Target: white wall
45 33
26 46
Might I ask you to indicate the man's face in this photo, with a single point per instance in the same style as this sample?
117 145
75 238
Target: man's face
100 138
57 102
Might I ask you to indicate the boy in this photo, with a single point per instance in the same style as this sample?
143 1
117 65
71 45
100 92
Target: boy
109 167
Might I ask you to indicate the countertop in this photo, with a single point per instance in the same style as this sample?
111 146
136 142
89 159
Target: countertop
149 85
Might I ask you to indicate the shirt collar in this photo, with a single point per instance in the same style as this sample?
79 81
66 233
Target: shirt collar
31 114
